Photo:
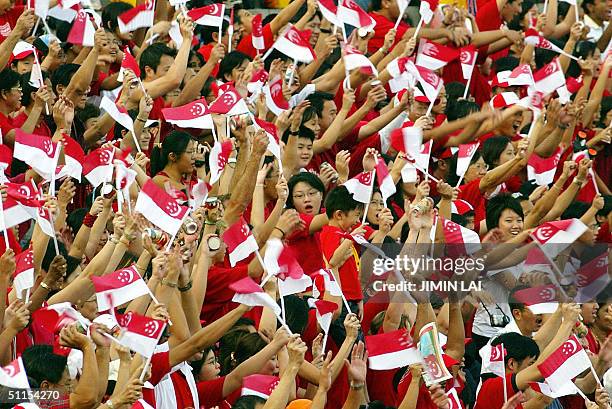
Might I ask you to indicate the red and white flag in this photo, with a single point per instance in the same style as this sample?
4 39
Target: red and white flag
219 155
540 300
385 181
98 166
248 292
229 103
211 15
435 56
464 157
361 187
431 83
329 10
453 399
200 193
23 277
493 359
563 365
28 195
82 31
460 240
192 115
20 205
461 207
275 99
534 38
324 312
408 140
273 141
128 63
14 375
543 170
592 278
141 404
542 387
467 57
549 78
44 221
160 208
138 17
294 44
280 261
39 152
324 281
26 405
54 317
427 8
350 13
74 157
504 100
6 158
139 333
521 75
257 37
391 350
123 285
118 113
259 385
257 82
556 236
240 242
353 59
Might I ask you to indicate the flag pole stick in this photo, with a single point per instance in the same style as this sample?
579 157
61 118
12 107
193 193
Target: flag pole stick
52 182
52 220
469 80
505 386
282 302
169 245
27 296
367 205
418 28
144 368
4 229
324 342
399 18
344 33
595 374
36 26
426 173
577 14
267 54
554 267
293 69
545 6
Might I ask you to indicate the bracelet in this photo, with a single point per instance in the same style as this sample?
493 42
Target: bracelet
382 50
280 230
563 127
141 120
113 240
187 287
294 132
110 404
259 185
168 283
206 222
45 286
125 241
356 386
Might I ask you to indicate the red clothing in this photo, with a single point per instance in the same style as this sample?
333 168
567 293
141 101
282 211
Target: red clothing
246 43
40 129
306 247
593 343
184 399
473 195
383 25
160 367
218 299
331 237
491 395
205 50
8 21
5 124
479 86
488 18
210 394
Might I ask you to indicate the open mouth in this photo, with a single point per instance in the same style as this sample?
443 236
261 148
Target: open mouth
515 232
309 208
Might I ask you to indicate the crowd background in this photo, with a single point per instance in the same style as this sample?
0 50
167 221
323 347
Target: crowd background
285 172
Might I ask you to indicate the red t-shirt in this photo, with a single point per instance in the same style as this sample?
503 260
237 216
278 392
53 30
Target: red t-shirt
491 395
306 247
184 399
383 25
218 299
471 193
210 394
40 129
205 51
488 19
8 21
5 124
160 367
246 42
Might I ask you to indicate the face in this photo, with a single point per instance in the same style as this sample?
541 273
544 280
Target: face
510 10
313 125
392 8
165 62
510 224
186 160
417 110
600 9
346 220
12 97
5 5
507 155
376 206
328 115
82 98
306 199
147 134
210 369
313 26
511 125
517 366
270 367
237 71
604 318
440 103
589 312
25 64
527 320
305 152
476 170
64 386
246 20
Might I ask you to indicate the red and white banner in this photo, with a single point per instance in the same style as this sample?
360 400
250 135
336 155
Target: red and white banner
549 78
259 385
257 37
275 99
543 170
82 31
467 57
239 241
361 187
139 333
295 45
504 100
435 56
122 285
248 292
407 140
23 277
160 208
211 15
563 365
329 284
98 166
431 83
540 300
219 155
74 157
39 152
14 375
391 350
229 103
353 59
464 157
542 387
385 181
138 17
521 75
192 115
350 13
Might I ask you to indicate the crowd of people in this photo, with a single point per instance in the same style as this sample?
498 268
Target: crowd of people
310 160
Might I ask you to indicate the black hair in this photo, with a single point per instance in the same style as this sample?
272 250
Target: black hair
451 177
302 133
296 310
267 19
606 106
543 56
227 346
583 49
151 57
454 90
27 89
118 128
42 364
527 188
229 62
75 218
518 347
194 54
506 64
307 177
62 75
8 79
607 206
206 88
88 112
317 101
515 24
176 142
575 210
111 12
62 29
492 149
275 55
460 109
50 253
206 32
309 113
341 199
459 219
513 303
375 5
248 402
247 346
497 205
196 366
584 5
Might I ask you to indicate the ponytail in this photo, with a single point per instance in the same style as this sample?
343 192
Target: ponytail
176 142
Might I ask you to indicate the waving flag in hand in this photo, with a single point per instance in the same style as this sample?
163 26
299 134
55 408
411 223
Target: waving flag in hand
141 16
295 45
23 277
139 333
467 57
540 300
329 10
248 292
98 166
192 115
82 31
128 63
219 155
361 187
427 8
123 285
229 103
391 350
257 37
385 181
14 375
350 13
39 152
160 208
240 241
435 56
275 99
211 15
563 365
549 78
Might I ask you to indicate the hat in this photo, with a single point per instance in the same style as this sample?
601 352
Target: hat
420 96
299 404
504 100
501 79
